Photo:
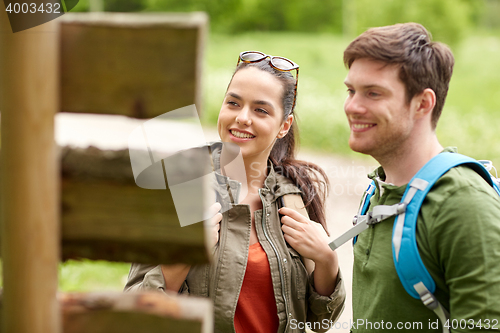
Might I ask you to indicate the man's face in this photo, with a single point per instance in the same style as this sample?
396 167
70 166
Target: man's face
379 117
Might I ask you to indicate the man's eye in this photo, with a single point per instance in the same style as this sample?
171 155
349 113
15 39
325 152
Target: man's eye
262 111
232 103
350 91
373 94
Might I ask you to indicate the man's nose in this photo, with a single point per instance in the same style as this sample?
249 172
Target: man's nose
354 105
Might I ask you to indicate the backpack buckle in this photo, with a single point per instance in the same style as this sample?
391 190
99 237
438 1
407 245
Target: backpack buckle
361 218
401 208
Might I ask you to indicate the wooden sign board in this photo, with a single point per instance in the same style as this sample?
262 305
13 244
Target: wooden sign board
152 312
106 216
138 65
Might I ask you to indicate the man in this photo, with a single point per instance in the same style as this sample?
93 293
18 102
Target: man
397 84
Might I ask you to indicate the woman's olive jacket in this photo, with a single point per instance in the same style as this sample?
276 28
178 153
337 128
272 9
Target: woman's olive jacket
298 304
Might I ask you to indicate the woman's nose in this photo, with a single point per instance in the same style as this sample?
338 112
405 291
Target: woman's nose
244 117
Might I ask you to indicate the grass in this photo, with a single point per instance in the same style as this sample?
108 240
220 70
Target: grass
470 120
89 275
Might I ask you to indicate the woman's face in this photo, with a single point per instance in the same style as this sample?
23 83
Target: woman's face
252 113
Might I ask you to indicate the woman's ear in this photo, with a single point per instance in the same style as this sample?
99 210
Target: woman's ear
285 127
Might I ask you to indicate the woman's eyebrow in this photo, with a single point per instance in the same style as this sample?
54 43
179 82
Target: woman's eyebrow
259 102
234 95
264 103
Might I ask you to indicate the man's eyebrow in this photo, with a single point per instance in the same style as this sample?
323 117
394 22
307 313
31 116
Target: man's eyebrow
367 86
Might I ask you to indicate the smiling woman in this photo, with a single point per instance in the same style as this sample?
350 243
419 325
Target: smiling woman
251 114
260 279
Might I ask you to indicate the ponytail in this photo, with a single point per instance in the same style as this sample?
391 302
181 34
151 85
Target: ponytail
308 177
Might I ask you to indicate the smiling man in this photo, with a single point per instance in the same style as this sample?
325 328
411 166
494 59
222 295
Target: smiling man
397 84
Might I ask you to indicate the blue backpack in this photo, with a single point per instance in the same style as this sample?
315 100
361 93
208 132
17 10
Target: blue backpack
411 270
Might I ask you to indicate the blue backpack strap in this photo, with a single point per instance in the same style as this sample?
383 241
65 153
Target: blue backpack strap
411 270
365 204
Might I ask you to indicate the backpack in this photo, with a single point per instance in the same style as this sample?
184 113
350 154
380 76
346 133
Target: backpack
411 271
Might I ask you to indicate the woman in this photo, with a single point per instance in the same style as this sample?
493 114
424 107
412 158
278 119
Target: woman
268 275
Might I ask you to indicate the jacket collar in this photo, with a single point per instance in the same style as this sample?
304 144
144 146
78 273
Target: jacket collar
275 184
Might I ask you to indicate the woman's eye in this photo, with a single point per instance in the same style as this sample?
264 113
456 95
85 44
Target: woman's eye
262 111
373 94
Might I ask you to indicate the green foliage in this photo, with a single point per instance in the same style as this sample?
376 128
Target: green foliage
81 6
261 15
124 6
291 15
447 20
491 16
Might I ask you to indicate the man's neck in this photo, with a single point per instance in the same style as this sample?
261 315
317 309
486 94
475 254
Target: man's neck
401 166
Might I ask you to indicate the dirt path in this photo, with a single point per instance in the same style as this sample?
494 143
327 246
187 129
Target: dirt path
348 181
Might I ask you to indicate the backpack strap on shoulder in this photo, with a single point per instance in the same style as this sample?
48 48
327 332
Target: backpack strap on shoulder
361 221
411 270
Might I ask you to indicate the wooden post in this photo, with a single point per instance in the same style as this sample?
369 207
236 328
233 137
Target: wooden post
29 178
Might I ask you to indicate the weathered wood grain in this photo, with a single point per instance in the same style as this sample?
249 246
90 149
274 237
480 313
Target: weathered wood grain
139 65
110 312
105 215
29 177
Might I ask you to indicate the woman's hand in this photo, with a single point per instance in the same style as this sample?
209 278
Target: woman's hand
175 275
307 237
310 240
213 225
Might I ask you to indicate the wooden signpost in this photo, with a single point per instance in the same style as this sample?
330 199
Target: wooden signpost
85 199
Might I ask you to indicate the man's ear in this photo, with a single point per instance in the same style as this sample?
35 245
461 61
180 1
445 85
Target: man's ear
425 103
285 127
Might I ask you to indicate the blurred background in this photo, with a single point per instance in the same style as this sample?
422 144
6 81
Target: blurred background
314 34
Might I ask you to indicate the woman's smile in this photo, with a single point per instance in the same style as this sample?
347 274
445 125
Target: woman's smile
240 136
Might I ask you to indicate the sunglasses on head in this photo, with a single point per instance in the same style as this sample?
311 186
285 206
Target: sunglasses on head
279 63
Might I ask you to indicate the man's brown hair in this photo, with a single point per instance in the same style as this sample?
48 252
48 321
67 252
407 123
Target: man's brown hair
423 63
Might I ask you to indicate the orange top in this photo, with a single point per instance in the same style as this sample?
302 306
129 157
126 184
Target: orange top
256 310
